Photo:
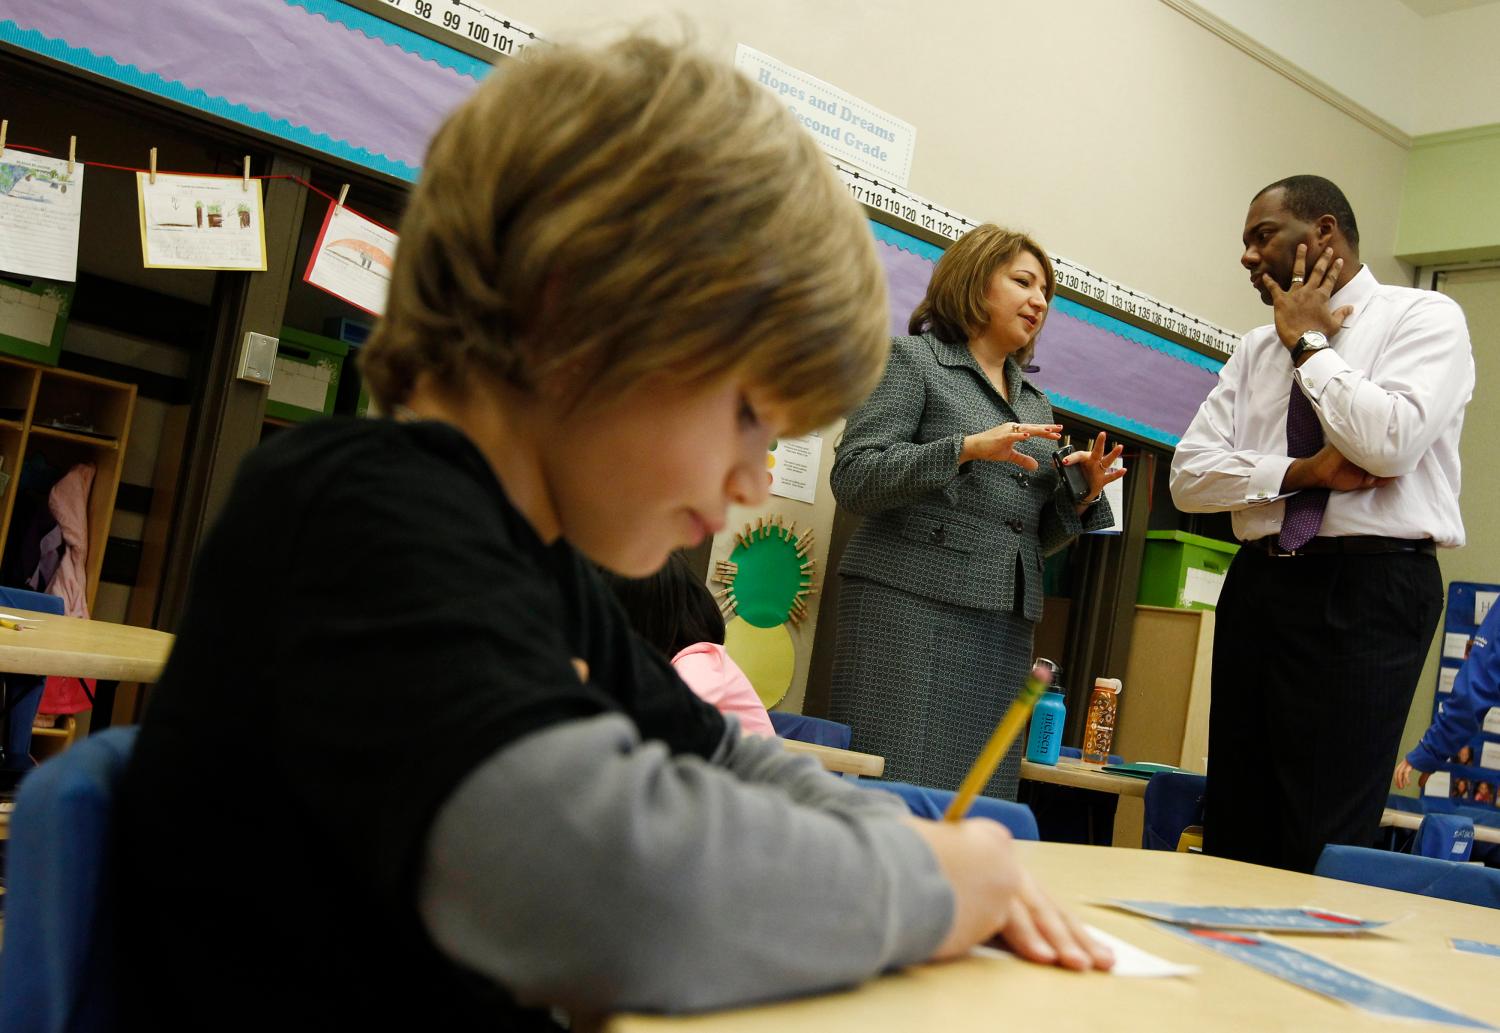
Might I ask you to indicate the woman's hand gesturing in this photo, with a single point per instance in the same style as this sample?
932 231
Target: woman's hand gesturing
998 444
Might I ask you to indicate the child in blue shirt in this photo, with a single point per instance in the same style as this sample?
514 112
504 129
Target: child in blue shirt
1475 691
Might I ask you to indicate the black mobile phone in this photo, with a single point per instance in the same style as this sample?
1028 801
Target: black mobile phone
1072 474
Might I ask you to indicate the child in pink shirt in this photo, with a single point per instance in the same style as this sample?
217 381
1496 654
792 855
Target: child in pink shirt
676 613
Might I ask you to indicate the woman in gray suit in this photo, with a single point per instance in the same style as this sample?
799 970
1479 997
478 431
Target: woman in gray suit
950 464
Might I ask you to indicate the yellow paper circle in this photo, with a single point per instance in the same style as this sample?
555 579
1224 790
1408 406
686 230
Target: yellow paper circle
766 655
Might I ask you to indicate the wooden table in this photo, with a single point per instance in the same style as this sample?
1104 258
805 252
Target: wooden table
1412 820
845 762
986 994
73 648
1130 812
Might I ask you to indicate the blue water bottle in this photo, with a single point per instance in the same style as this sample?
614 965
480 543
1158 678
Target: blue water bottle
1046 727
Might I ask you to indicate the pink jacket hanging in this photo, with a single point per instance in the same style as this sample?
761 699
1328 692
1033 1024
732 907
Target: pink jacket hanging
69 503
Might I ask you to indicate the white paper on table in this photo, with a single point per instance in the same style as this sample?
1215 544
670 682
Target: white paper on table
1202 586
40 204
794 464
1446 677
352 259
1454 645
1482 603
1131 961
17 617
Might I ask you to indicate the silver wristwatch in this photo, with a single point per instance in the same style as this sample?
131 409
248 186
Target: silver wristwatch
1311 341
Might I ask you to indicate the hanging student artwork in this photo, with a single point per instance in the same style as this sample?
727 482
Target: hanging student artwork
201 222
768 578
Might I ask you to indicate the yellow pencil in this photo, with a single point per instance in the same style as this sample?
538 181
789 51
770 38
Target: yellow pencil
1005 733
12 625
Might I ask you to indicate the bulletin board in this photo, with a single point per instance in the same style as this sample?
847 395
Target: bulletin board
1469 781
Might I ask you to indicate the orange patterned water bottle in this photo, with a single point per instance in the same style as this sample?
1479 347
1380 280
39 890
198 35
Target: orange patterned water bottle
1099 728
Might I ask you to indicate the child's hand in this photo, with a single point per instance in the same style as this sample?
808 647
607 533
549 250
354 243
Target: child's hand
1403 775
995 897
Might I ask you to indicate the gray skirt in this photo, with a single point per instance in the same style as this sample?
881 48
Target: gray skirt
924 683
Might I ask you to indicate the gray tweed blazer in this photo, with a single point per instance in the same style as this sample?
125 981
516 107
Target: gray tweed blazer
955 534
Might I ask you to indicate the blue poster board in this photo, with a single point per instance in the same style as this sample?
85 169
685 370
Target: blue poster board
1473 785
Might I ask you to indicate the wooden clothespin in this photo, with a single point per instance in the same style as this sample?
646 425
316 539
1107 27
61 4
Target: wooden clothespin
245 179
740 539
343 193
153 166
72 152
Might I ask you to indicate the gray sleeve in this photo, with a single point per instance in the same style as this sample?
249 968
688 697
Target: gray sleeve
581 868
879 464
756 758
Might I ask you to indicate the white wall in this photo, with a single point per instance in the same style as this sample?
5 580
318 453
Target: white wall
1124 135
1460 70
1422 75
1368 50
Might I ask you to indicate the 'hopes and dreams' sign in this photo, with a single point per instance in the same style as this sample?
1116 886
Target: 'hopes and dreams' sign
846 126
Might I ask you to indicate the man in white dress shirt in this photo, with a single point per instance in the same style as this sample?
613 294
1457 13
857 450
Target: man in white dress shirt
1332 438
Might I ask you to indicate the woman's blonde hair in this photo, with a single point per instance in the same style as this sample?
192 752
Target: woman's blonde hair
954 308
593 218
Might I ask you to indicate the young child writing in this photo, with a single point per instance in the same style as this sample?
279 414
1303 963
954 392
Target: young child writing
622 273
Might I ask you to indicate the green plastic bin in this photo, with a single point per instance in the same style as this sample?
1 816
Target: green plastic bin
306 381
1183 570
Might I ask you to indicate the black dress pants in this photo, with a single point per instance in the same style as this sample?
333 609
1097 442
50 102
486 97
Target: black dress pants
1315 662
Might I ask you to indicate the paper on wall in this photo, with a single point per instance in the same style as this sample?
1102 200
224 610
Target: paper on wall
352 259
1482 603
1202 586
1455 645
1446 677
201 222
1489 756
1492 720
40 204
793 464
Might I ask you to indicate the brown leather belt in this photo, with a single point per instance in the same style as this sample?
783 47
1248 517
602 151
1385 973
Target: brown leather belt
1352 545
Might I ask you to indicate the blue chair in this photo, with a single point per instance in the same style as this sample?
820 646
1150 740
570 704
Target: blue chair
817 730
1428 876
22 693
931 803
1446 836
1174 801
56 969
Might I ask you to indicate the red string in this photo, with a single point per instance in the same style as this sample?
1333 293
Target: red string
167 172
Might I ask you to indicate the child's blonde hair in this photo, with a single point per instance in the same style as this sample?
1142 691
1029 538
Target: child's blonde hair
593 218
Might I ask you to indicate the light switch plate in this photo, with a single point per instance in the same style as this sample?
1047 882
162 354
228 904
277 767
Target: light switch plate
258 358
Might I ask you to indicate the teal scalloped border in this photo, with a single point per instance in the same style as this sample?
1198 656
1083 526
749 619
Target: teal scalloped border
1106 418
413 43
130 75
1145 338
905 241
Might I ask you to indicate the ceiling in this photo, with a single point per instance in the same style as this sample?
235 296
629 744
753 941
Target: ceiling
1432 8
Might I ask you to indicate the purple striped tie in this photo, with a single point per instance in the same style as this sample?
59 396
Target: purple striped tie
1304 510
